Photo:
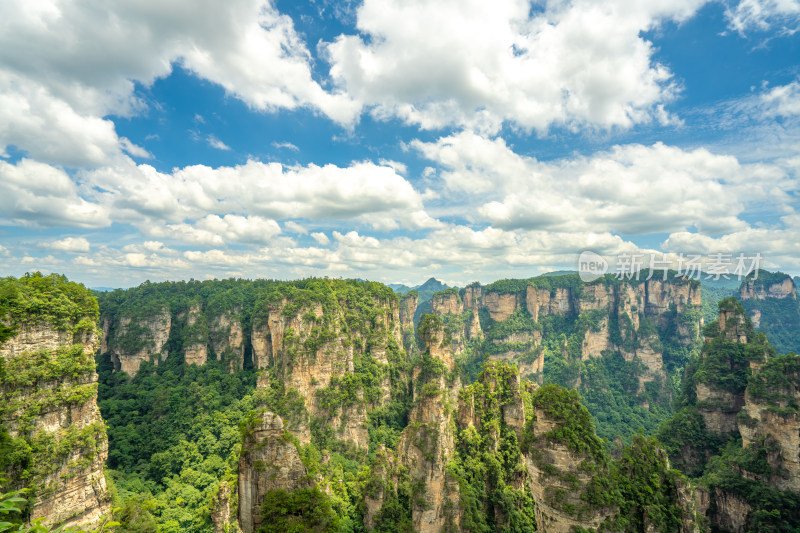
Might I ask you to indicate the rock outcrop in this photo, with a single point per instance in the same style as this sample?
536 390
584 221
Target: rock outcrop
430 438
132 336
333 355
195 345
226 337
133 340
311 350
625 316
770 299
718 399
741 389
560 472
770 417
48 403
752 289
269 461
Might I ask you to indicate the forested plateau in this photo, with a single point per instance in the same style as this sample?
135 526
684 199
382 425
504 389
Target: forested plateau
544 404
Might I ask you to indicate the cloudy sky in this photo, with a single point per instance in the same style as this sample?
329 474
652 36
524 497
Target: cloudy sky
393 139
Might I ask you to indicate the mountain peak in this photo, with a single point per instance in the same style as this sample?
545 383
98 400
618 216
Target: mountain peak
432 284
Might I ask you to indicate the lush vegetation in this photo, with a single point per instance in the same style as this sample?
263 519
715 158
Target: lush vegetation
717 459
623 397
173 435
176 430
298 511
52 299
779 317
489 466
712 294
44 381
647 490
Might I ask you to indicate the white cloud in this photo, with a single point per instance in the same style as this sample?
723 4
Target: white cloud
65 65
783 100
761 15
294 227
362 191
134 150
287 145
477 64
777 244
631 189
36 194
213 142
321 238
69 244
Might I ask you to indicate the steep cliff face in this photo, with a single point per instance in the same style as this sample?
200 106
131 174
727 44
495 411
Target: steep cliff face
52 437
721 377
615 312
269 461
555 327
331 357
563 471
770 416
502 453
753 290
740 388
424 447
133 340
770 299
314 347
195 345
226 337
194 327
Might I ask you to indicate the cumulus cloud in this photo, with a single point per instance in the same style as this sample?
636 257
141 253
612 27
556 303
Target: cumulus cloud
478 64
65 65
69 244
631 189
321 238
749 15
294 227
776 244
40 195
783 100
183 204
363 191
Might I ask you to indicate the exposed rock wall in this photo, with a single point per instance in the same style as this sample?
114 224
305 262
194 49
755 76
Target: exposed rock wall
269 461
226 337
752 289
132 341
223 513
769 415
500 305
308 348
558 480
617 309
57 415
717 402
429 439
195 345
312 350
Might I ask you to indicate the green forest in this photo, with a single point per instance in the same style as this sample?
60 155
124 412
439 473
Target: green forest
176 431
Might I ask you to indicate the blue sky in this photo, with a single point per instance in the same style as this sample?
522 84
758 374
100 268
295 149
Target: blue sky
394 140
